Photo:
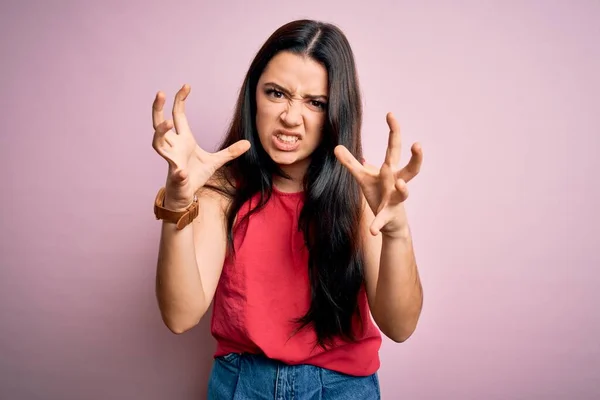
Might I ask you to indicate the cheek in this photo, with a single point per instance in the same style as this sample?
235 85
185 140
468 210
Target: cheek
260 116
315 126
266 112
266 120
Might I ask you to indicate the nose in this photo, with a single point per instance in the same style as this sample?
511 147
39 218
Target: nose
292 115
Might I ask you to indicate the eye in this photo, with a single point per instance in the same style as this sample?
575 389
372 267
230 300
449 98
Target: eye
318 104
275 93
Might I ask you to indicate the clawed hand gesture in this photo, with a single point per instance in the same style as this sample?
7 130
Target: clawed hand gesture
190 167
385 188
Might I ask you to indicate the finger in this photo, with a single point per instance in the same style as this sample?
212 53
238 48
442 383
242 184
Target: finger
161 137
414 165
392 156
371 169
232 152
379 222
349 161
401 190
178 174
179 117
157 109
163 128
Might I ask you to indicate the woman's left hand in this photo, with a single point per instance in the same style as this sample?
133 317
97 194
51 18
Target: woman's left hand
385 189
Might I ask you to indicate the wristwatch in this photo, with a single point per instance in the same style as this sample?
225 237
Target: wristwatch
181 218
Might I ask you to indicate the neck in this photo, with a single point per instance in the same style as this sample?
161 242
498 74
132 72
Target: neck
296 173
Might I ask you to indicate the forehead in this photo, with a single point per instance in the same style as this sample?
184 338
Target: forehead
296 72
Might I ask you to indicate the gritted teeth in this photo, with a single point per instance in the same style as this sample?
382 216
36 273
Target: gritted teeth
287 139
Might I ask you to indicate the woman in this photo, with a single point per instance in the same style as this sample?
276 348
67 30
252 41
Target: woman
293 241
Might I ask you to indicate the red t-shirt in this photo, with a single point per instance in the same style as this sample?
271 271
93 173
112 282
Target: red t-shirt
266 286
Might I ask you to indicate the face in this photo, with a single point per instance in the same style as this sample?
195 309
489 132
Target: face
291 100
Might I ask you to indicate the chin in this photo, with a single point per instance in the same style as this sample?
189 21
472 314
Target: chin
286 158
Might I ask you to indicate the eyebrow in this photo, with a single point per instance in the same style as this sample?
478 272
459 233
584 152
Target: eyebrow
284 90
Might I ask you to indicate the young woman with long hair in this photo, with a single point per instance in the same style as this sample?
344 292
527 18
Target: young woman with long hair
300 246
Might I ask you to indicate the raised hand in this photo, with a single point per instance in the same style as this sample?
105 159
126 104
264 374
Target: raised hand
190 167
385 188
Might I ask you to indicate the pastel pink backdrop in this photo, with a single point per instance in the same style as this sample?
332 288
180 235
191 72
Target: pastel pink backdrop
503 96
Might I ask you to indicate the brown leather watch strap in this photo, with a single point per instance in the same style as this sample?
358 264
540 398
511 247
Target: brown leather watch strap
181 218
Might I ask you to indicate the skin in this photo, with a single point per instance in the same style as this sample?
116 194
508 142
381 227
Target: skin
291 95
285 100
392 278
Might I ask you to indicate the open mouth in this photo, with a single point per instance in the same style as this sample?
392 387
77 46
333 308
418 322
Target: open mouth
288 139
286 142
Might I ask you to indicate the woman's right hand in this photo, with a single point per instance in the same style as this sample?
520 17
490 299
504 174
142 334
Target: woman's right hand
190 167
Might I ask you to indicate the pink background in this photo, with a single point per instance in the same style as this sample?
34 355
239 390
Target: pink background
503 96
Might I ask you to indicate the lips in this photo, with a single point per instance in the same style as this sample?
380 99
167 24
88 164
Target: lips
287 136
286 140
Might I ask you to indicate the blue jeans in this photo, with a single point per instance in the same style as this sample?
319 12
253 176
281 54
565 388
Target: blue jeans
253 377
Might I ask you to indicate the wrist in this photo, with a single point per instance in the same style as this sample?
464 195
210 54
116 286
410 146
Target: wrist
176 205
176 212
177 199
400 233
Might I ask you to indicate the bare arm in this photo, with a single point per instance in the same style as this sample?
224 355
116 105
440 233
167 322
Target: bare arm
392 280
391 276
190 262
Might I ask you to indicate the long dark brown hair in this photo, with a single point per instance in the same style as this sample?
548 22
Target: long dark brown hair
330 217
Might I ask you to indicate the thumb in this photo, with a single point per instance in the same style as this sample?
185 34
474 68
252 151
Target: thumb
232 152
349 161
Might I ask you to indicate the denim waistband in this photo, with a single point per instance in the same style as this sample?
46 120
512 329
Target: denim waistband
255 377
